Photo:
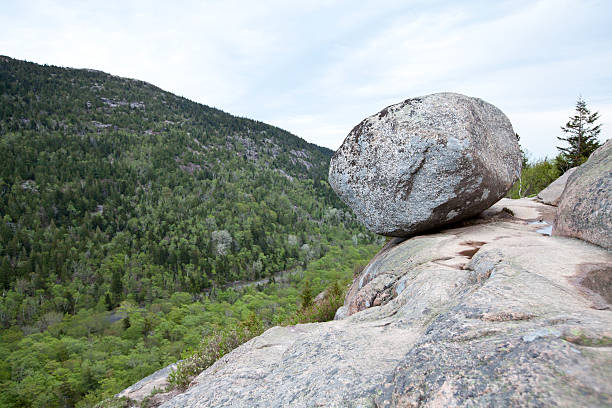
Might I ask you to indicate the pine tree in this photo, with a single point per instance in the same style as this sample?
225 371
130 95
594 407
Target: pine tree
5 273
582 133
108 302
70 303
306 295
126 323
116 286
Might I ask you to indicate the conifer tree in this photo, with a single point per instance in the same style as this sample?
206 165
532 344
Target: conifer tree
116 286
582 132
306 295
108 302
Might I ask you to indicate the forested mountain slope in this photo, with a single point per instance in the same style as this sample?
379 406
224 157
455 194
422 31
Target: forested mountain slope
113 185
112 189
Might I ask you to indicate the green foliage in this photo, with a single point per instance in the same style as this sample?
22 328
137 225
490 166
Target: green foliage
212 348
221 342
534 178
323 310
582 132
94 354
126 214
306 295
112 185
216 345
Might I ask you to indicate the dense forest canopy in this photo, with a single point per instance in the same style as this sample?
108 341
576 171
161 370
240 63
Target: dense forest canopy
114 191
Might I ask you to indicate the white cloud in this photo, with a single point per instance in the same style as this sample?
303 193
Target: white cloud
317 68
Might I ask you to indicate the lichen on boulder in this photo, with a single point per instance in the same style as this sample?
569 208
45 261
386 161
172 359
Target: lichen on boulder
426 162
585 208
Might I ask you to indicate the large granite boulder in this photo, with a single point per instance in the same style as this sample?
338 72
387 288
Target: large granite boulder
487 314
585 209
426 162
551 195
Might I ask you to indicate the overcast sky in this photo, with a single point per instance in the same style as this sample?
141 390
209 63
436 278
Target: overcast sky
317 68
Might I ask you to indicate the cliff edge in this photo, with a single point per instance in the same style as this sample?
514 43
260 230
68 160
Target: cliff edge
494 312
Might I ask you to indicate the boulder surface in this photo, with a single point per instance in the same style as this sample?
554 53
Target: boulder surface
551 195
426 162
585 209
491 313
150 387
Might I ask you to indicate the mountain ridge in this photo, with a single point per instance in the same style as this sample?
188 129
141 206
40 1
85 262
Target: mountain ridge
81 138
122 206
7 59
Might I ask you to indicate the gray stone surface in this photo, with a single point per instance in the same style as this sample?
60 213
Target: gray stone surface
551 195
153 383
426 162
486 314
585 209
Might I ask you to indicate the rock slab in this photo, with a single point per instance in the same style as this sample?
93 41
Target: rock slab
487 314
585 209
426 162
551 195
151 387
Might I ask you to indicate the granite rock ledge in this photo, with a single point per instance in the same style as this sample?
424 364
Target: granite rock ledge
489 313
